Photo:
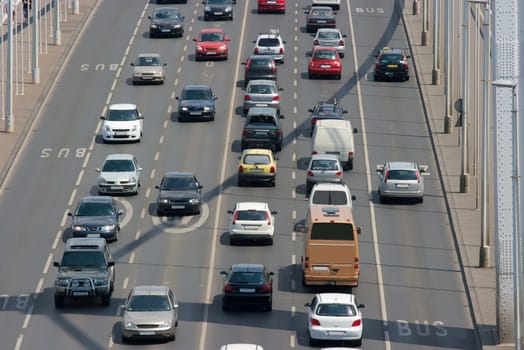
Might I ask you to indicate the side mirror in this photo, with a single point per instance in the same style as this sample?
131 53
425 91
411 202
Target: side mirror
360 306
97 170
359 230
103 117
149 17
110 263
195 39
200 187
223 273
157 187
215 97
270 273
132 64
228 38
139 169
274 212
254 41
175 306
408 56
310 110
344 36
56 264
281 116
123 306
69 214
284 42
120 212
300 228
355 130
307 305
244 63
280 89
353 197
177 98
230 212
345 111
164 64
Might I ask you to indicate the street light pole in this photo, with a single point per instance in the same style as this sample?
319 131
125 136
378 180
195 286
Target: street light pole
464 176
435 73
424 36
448 128
36 42
9 118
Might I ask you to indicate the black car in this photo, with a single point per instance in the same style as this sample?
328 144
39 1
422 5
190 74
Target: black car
179 192
320 17
96 215
215 9
325 110
248 285
196 102
391 64
262 129
259 67
166 21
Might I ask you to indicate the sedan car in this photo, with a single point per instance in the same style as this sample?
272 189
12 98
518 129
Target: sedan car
325 110
196 102
96 215
148 68
179 192
334 317
120 174
247 285
271 44
330 37
391 64
259 67
262 93
150 311
323 168
401 180
166 21
325 61
252 221
278 6
320 17
211 43
218 9
257 165
122 122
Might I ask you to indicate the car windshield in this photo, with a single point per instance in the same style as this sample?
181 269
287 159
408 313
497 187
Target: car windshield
330 197
402 175
256 159
178 184
247 277
211 37
116 165
166 14
336 310
328 35
391 58
94 209
148 61
251 215
325 55
261 89
196 94
324 164
149 303
268 42
122 115
83 259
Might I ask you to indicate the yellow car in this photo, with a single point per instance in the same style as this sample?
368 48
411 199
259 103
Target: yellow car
257 165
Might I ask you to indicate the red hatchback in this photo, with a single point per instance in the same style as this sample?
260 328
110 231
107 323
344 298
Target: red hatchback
211 43
271 6
325 61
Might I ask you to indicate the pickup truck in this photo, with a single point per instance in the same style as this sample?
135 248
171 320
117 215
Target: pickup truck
262 129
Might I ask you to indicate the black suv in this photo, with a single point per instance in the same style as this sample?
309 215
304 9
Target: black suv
86 270
262 129
166 21
179 192
260 67
391 64
325 110
96 215
196 102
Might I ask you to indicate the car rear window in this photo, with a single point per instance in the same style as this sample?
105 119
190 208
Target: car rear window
261 89
391 58
332 231
336 310
402 175
259 159
325 54
268 42
251 215
247 277
324 164
328 35
330 197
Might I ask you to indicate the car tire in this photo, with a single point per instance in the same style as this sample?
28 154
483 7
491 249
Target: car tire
273 183
151 35
106 300
59 301
376 77
225 307
341 55
310 76
309 187
180 119
339 76
270 241
406 78
420 199
381 198
206 18
212 118
233 241
172 337
358 342
269 306
312 342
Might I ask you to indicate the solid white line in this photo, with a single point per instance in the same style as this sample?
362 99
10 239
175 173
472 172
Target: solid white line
126 281
110 344
132 258
39 286
57 239
19 342
86 160
79 178
108 99
47 264
28 316
64 218
113 85
72 197
118 72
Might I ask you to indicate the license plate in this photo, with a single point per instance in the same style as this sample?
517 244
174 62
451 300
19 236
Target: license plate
177 207
257 170
147 333
165 30
261 132
321 21
195 113
117 188
320 268
402 186
120 133
246 290
392 65
211 53
80 294
147 78
261 104
218 13
251 227
325 66
337 153
337 333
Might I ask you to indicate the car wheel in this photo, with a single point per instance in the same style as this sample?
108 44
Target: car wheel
59 301
106 300
172 337
341 55
206 18
358 342
375 77
134 82
180 119
269 306
233 241
270 241
151 35
312 342
406 78
420 200
310 76
212 118
339 76
116 236
225 307
381 198
273 183
309 187
159 212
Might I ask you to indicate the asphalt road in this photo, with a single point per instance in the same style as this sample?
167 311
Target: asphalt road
411 283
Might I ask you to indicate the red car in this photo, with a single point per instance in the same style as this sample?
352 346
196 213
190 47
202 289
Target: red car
211 43
325 61
271 6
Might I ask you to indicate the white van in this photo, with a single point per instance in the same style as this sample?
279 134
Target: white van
333 136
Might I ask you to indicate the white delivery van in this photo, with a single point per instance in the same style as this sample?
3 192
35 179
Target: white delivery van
334 136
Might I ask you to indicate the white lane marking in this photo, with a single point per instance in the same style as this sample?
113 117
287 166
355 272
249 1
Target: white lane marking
293 175
293 215
118 72
169 110
293 236
132 257
157 154
57 238
108 99
185 219
172 95
126 281
47 264
110 344
292 341
293 194
28 316
295 110
148 192
19 342
152 174
175 83
293 310
72 197
294 156
143 213
166 122
113 85
39 286
79 178
137 235
128 211
293 259
64 218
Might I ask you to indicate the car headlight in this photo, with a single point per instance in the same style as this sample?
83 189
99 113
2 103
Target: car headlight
184 109
228 9
153 26
163 200
134 128
194 201
177 26
208 109
207 8
101 180
165 324
132 180
130 325
199 48
100 281
108 227
107 128
62 282
79 228
223 47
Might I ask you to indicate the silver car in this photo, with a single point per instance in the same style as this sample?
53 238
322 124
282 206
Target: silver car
323 168
401 180
150 311
262 93
331 37
120 174
149 68
270 44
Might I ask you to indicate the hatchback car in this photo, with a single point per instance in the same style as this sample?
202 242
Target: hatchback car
122 122
150 311
252 221
166 21
323 168
331 194
149 68
270 44
96 215
119 174
401 180
262 93
325 61
179 192
247 285
262 129
325 110
211 43
278 6
218 9
196 102
334 317
320 17
259 67
257 165
391 64
330 37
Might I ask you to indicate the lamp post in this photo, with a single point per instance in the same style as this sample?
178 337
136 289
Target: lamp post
435 73
464 176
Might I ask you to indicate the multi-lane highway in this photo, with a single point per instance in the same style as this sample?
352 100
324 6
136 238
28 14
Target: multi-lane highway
411 282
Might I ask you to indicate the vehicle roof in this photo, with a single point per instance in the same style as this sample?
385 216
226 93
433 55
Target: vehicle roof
333 123
120 156
241 347
257 151
325 48
196 87
87 243
262 110
251 206
328 30
320 213
402 165
330 186
164 8
261 57
336 298
262 81
247 267
122 106
150 290
324 156
96 199
323 8
178 174
388 50
212 30
148 55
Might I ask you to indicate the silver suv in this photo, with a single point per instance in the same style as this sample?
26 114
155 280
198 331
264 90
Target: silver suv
401 180
270 44
331 37
86 270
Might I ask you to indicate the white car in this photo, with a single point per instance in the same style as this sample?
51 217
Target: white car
252 221
334 4
270 44
331 195
241 347
120 174
122 122
331 37
401 180
335 317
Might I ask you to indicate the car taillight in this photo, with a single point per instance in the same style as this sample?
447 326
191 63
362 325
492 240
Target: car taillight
306 262
310 173
341 43
356 323
247 98
314 152
315 322
418 177
244 131
274 68
315 42
406 65
266 288
240 169
256 50
338 174
235 217
281 50
248 64
278 133
386 177
351 154
268 218
228 288
272 169
377 65
276 98
356 264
